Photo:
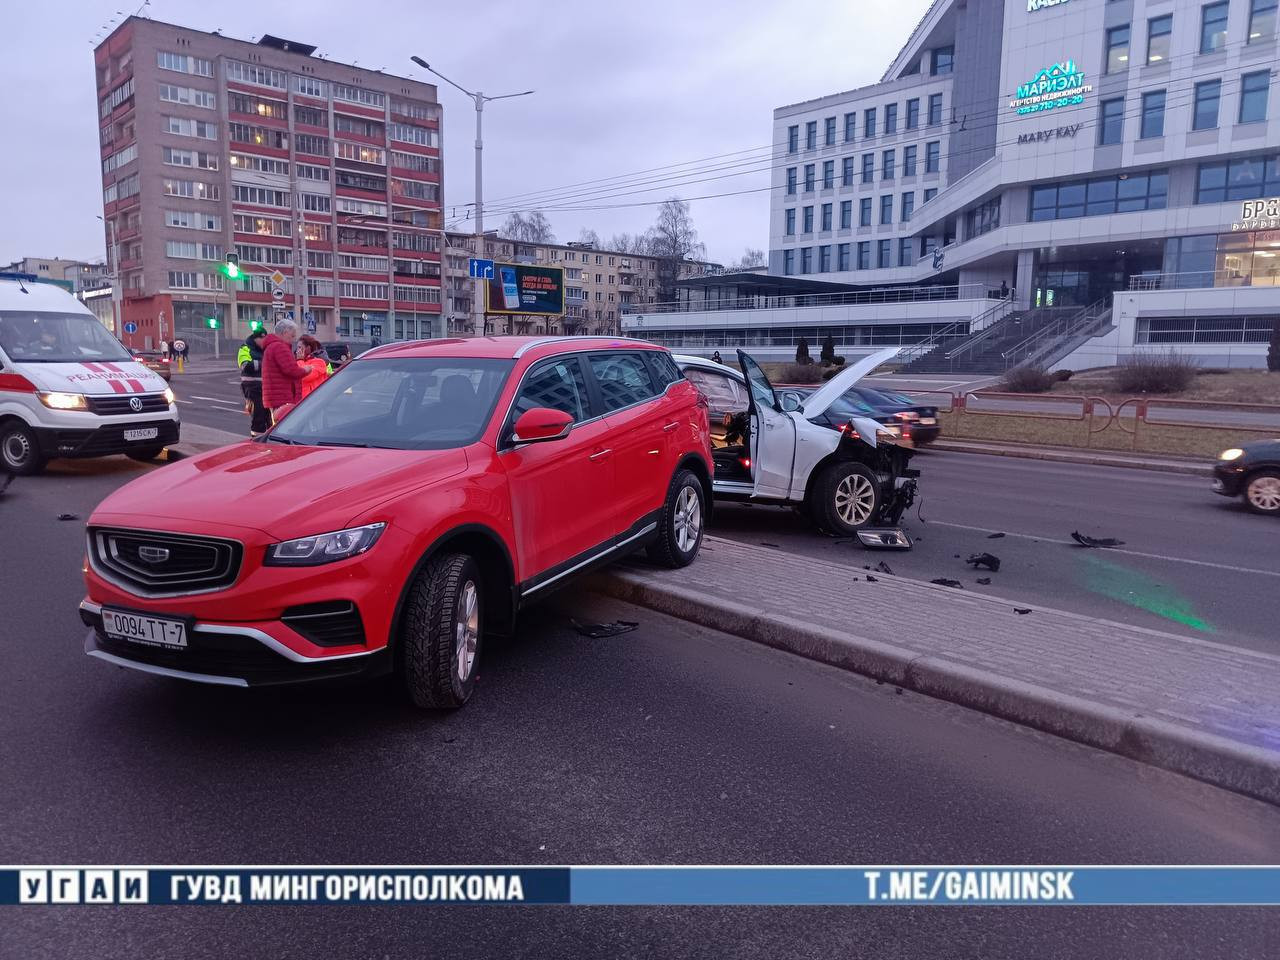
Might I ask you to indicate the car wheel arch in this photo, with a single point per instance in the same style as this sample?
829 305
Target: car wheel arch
494 559
698 465
839 455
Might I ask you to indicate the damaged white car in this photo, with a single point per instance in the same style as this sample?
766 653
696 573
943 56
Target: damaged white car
854 481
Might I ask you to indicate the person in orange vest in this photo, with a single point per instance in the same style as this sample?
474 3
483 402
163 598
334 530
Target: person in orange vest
314 361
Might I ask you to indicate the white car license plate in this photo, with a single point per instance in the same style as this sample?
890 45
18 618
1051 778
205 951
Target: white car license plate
142 433
928 421
152 631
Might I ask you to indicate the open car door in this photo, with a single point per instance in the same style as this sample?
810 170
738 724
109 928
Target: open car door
772 446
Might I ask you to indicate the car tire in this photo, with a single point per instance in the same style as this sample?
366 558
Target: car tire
845 498
681 522
145 454
1262 492
442 631
20 450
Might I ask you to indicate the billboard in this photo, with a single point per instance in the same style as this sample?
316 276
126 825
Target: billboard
524 288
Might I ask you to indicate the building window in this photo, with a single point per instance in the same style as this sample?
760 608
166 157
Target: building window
793 138
1262 20
930 193
259 136
886 165
1213 27
1152 115
826 216
1159 33
186 127
908 205
811 135
891 118
842 257
788 262
824 259
791 180
185 95
361 153
983 218
850 126
935 109
885 251
868 167
789 218
829 131
1248 178
180 63
869 122
941 60
1253 96
932 156
806 259
846 172
864 212
1089 198
886 208
310 87
846 214
1117 54
809 169
808 220
368 98
904 252
310 143
828 174
864 255
909 161
913 113
1205 112
1111 121
256 74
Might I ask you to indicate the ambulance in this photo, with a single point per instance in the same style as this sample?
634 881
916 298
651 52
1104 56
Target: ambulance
68 388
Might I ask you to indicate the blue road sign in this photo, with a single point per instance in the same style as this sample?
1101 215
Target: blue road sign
480 269
130 327
310 321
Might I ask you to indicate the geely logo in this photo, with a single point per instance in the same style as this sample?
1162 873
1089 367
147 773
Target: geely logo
153 554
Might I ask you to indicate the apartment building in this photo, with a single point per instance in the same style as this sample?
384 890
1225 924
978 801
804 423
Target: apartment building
75 275
599 284
322 177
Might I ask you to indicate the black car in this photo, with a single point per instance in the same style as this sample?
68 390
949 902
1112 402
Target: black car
1251 471
895 410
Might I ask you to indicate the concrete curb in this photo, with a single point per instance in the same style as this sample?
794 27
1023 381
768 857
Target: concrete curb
1095 458
1216 760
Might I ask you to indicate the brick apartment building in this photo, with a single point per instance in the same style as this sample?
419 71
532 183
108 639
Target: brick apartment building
327 173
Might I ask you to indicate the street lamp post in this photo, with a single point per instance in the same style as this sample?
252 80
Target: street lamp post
114 243
477 308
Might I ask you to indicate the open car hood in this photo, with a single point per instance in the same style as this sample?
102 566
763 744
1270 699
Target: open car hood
817 402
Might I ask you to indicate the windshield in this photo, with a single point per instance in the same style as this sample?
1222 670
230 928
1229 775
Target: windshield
57 338
402 403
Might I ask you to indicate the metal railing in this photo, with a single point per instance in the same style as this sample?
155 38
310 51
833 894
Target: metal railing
957 330
1034 348
1196 280
994 317
968 291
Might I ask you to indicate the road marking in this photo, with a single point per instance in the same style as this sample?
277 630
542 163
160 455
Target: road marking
238 403
1131 553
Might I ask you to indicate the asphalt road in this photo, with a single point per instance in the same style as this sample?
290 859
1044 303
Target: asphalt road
670 744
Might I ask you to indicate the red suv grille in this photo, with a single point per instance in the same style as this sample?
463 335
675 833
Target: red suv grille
154 564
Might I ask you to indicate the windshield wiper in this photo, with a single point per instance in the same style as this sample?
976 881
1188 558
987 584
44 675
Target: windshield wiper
273 438
340 443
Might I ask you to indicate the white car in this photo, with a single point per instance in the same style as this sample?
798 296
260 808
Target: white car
768 450
68 388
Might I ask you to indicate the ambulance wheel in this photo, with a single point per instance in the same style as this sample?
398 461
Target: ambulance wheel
19 450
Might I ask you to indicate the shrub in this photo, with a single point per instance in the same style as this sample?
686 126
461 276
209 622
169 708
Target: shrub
801 373
828 351
837 361
1273 347
802 352
1026 380
1155 373
830 372
1061 376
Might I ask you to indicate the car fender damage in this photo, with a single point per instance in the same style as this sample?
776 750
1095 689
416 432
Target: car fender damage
889 459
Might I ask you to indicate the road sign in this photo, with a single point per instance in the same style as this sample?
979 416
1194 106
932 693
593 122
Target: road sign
480 269
130 327
277 292
310 321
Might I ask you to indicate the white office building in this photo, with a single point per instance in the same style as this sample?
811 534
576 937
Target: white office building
1050 181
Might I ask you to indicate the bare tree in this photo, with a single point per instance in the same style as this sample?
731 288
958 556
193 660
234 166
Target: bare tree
636 244
673 242
534 228
589 237
751 259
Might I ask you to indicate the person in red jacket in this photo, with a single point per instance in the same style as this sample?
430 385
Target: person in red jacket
282 375
315 361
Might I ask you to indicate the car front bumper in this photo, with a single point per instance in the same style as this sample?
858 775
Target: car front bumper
1228 478
105 439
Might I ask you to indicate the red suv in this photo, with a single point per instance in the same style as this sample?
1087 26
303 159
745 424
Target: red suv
403 513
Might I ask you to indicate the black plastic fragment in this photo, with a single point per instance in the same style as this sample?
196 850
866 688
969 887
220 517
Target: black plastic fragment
1085 541
987 560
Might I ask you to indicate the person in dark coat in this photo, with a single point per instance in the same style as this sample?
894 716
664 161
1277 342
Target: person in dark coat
249 358
281 373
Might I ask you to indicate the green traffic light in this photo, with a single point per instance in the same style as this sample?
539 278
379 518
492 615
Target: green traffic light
212 322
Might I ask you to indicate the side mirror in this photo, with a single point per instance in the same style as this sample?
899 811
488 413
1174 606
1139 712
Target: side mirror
540 425
790 401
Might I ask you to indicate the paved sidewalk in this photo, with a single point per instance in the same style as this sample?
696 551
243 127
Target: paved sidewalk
1195 707
1107 458
196 438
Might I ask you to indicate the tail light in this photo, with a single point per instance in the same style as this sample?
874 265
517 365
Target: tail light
746 462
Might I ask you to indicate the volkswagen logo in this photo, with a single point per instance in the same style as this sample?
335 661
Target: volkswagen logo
135 404
153 554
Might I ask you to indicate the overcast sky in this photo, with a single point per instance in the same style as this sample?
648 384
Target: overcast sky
620 88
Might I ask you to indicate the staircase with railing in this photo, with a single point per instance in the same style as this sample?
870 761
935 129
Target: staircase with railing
1060 336
939 353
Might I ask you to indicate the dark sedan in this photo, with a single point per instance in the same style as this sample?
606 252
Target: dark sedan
154 360
895 410
1251 472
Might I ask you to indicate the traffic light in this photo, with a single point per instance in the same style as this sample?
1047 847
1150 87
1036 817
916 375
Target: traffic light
232 267
211 322
255 325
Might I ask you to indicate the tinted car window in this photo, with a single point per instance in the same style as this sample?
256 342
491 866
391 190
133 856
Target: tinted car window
623 377
406 403
664 367
558 384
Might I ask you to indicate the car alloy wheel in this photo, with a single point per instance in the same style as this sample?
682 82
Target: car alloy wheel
1264 493
467 629
688 519
854 499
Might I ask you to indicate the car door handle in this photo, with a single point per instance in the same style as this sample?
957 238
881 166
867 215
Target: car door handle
671 426
600 454
768 424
